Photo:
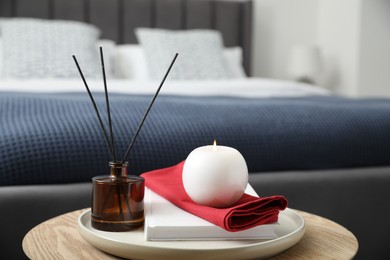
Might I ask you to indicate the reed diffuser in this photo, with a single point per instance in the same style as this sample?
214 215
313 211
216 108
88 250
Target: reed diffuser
117 198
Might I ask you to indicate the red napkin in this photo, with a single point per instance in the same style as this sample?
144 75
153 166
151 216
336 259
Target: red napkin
248 212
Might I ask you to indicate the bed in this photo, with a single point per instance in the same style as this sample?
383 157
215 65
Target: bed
326 154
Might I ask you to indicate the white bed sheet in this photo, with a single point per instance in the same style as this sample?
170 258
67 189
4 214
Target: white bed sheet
249 87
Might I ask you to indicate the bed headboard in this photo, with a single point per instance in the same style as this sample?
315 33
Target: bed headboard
118 18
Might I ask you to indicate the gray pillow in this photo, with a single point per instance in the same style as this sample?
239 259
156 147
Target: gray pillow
200 53
35 48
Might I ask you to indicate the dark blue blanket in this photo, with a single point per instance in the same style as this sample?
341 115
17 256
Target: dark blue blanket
55 138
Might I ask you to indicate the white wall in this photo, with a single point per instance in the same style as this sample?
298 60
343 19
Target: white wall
354 37
338 35
374 73
279 25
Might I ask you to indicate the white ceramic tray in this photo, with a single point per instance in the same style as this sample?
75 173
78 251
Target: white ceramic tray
133 245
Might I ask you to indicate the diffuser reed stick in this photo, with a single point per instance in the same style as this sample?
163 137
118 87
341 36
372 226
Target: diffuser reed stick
107 104
147 111
110 148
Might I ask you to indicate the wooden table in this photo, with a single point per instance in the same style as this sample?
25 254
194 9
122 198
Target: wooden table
58 238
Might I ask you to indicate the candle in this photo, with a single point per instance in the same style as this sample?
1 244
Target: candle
215 175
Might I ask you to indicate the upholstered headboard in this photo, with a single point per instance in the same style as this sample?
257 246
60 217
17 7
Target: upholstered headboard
118 18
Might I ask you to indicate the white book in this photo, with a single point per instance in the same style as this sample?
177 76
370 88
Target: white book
165 221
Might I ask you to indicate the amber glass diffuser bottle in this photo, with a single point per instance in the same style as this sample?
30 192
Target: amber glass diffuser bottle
117 200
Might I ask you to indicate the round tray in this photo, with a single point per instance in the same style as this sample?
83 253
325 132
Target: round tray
132 244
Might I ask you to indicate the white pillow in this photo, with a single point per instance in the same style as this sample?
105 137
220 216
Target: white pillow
130 62
36 48
109 52
234 60
200 53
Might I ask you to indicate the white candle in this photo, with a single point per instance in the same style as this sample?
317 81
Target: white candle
215 176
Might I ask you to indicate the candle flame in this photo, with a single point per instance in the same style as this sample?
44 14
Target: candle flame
215 145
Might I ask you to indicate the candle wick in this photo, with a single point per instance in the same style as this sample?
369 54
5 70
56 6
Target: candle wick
215 145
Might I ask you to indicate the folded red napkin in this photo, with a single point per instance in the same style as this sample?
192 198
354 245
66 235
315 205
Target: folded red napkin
248 212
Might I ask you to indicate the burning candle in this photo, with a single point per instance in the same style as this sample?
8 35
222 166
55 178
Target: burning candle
215 175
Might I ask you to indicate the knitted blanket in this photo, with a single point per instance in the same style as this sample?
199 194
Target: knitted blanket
55 138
